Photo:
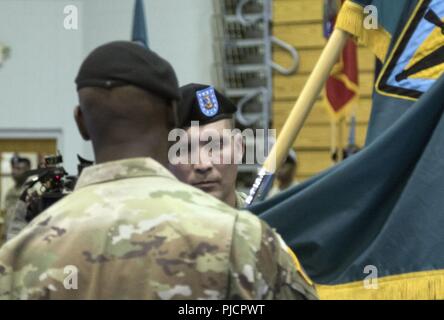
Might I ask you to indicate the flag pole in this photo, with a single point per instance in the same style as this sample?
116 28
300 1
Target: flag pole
298 114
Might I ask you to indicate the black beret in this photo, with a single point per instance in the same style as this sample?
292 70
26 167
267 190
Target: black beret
203 103
122 63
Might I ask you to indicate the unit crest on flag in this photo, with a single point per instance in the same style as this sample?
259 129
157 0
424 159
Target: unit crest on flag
417 59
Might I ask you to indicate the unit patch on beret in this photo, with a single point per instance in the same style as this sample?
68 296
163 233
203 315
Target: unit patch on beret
207 101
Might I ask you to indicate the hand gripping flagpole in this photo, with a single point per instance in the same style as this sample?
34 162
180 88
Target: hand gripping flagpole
299 113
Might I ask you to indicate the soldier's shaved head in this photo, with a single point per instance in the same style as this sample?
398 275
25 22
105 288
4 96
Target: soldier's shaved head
125 122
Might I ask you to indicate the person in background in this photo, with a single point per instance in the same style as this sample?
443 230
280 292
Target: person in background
19 167
285 177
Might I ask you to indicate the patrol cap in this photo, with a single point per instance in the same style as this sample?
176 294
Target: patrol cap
122 63
203 103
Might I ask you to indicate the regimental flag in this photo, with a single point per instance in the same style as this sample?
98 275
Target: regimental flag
139 26
372 226
409 40
341 89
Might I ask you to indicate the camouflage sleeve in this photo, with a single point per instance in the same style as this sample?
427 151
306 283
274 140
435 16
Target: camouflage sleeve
9 199
262 266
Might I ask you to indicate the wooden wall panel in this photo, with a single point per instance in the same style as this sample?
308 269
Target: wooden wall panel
311 163
299 22
309 57
319 114
43 146
288 11
289 87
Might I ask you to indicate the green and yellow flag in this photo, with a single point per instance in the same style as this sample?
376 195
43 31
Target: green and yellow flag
372 226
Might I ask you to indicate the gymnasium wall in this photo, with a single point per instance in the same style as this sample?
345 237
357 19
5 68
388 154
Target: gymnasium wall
299 22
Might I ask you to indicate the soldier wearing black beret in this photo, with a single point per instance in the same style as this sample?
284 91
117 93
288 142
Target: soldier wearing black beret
203 105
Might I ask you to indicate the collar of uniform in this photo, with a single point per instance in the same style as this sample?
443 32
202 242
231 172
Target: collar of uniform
240 199
121 169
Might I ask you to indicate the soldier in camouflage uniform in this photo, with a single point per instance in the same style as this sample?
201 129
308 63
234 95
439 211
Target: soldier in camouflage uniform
19 167
130 230
212 113
17 220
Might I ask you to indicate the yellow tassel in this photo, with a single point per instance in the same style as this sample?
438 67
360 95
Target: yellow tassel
351 20
426 285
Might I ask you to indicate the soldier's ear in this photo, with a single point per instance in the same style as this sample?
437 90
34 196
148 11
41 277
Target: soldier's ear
78 116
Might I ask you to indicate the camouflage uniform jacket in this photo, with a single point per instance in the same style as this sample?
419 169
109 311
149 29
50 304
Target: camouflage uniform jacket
130 230
16 220
11 199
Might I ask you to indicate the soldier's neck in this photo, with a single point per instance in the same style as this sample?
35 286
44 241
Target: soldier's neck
231 199
120 151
